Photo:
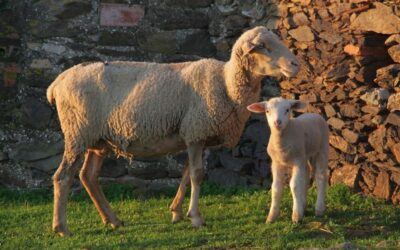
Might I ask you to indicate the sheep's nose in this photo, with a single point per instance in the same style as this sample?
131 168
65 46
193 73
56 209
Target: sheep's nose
278 123
294 63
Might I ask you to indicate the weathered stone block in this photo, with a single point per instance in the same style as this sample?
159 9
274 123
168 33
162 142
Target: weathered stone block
302 34
196 42
348 175
383 187
225 178
377 139
117 38
341 144
174 18
35 114
381 19
190 3
160 42
35 151
394 53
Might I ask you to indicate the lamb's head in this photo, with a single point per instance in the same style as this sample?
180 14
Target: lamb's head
277 111
264 54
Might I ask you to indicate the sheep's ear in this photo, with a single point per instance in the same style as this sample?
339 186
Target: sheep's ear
248 47
258 107
296 104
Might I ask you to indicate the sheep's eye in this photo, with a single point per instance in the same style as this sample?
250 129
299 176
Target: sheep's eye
267 111
260 46
268 50
287 110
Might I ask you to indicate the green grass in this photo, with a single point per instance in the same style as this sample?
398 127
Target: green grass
235 219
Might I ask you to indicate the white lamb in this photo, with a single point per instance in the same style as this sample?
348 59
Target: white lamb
293 142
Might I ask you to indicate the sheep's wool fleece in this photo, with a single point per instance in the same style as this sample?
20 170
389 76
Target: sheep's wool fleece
129 102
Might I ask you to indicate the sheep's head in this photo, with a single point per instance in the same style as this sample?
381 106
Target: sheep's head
264 54
277 111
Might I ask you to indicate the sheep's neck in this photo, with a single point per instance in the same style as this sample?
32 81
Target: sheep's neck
242 87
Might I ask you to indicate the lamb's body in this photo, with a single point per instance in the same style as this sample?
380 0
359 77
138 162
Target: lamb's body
295 143
305 136
140 116
141 110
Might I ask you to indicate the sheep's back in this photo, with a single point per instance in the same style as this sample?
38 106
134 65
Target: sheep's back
315 130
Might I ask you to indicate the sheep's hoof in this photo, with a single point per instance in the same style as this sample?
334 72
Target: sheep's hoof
62 231
176 217
116 224
198 222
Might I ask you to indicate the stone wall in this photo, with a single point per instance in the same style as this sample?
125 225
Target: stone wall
340 53
43 38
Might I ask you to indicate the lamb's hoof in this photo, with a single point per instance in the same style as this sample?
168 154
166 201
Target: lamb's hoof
176 217
296 218
62 231
270 220
319 213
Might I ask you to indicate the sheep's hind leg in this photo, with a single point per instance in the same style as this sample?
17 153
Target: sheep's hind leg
176 205
195 152
62 181
276 191
298 188
321 180
89 176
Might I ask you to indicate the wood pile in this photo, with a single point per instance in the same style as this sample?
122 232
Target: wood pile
350 53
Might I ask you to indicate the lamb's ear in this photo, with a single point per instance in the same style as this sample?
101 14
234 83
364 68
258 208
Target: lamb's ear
248 47
258 107
296 104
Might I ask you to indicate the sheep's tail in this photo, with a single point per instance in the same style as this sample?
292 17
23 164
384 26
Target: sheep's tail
50 94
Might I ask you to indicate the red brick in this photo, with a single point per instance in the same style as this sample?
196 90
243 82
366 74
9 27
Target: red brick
120 14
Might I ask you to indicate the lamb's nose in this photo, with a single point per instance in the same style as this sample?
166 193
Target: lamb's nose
278 123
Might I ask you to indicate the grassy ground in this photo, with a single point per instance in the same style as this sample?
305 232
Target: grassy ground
235 219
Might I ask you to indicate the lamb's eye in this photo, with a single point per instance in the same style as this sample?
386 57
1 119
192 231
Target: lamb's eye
287 110
267 111
268 50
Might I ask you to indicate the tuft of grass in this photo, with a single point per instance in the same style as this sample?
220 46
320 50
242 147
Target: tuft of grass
235 219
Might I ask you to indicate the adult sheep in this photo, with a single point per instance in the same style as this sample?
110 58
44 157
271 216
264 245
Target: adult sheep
141 110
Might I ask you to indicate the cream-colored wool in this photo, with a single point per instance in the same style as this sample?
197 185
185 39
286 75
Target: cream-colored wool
133 105
294 143
142 110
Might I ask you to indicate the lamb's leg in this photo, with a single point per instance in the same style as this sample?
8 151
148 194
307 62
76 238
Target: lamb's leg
276 191
298 188
176 206
62 181
321 180
89 176
195 152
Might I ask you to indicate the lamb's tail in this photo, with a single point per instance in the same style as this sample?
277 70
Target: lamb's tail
50 94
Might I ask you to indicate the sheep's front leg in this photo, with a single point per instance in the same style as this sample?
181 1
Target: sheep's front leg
196 171
62 181
89 176
298 187
176 206
276 191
